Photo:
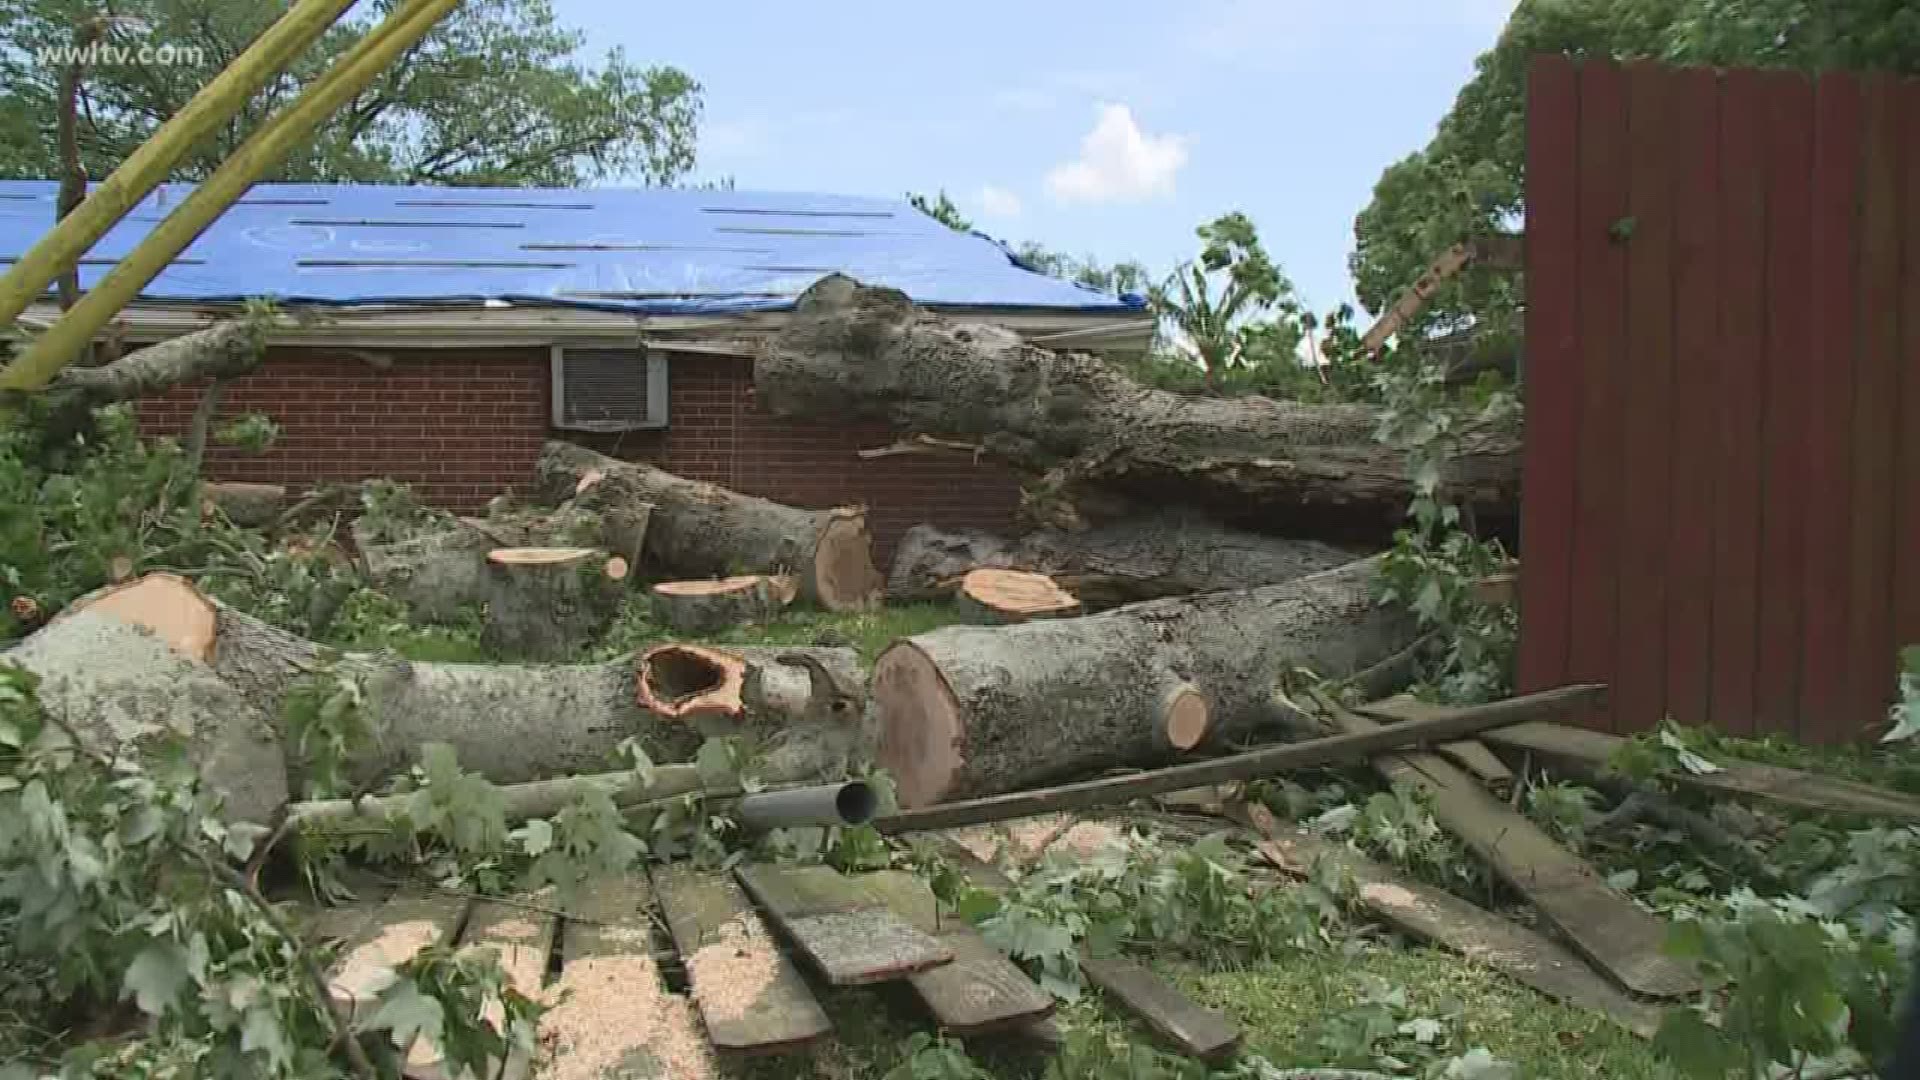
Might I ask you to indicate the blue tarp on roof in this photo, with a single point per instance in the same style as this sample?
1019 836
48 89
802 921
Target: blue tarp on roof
649 250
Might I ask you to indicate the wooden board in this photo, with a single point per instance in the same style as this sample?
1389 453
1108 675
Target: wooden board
981 990
752 998
1471 755
1588 751
1906 512
1194 1029
614 1019
1606 927
849 937
1446 920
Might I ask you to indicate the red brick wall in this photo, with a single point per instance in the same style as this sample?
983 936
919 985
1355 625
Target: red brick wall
462 427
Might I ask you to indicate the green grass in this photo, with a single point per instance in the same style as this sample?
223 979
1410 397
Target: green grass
869 632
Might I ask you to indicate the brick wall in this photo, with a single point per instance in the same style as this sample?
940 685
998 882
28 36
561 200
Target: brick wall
462 427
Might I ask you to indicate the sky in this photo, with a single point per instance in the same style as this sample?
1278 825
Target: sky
1105 129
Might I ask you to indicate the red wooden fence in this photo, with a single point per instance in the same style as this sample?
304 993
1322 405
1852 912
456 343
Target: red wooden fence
1721 508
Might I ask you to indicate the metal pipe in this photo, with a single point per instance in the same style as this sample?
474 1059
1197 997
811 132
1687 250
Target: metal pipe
851 803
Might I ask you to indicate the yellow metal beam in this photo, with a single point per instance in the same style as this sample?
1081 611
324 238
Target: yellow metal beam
216 103
267 147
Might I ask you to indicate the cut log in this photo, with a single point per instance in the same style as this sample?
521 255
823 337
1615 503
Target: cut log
1087 432
547 604
704 530
250 506
1138 558
702 607
1012 596
966 711
510 723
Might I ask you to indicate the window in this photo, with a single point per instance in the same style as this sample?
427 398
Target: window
608 389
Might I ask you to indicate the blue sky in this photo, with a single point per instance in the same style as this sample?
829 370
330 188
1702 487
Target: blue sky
1107 129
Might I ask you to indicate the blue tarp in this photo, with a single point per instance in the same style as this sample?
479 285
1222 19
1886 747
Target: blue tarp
649 250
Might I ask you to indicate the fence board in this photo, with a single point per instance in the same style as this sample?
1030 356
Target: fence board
1695 146
1789 161
1828 373
1603 208
1906 582
1741 265
1551 477
1646 376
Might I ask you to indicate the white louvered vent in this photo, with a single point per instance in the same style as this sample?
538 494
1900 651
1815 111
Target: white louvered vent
618 389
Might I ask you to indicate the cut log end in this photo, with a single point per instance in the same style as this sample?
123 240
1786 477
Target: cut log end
920 723
1185 719
678 681
844 577
536 556
699 607
1016 595
166 604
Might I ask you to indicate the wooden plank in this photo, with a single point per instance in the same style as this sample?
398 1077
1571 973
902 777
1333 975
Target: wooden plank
1645 369
1694 139
1833 307
1550 464
613 1018
1472 755
1871 648
751 996
1603 925
981 990
1740 270
1194 1029
1590 751
1906 570
1783 513
849 937
1446 920
1603 283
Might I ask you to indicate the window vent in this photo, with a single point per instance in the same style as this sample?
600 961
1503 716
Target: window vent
608 389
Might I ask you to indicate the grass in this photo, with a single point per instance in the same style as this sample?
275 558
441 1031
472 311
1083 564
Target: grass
869 632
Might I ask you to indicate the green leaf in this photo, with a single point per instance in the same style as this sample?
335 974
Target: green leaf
1695 1047
535 837
408 1014
156 977
714 763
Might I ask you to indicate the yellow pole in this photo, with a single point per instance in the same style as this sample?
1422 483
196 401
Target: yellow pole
264 149
144 169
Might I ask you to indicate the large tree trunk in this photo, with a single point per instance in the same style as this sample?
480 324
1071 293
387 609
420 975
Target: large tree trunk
704 530
1141 558
547 604
508 722
967 711
1087 432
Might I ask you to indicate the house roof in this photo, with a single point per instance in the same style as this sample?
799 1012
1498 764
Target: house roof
636 251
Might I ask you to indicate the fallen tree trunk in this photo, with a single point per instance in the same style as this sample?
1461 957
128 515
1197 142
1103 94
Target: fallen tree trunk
967 711
510 723
1086 432
545 604
701 607
704 530
250 506
1139 558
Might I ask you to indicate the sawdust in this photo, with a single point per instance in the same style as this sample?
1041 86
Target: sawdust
1089 838
617 1023
366 966
1023 839
730 974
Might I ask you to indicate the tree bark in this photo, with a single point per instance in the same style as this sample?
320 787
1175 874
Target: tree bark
704 530
1141 558
968 711
702 607
547 604
1096 443
510 723
250 506
441 572
1010 596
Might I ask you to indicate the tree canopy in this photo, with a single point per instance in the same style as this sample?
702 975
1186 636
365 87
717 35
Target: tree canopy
493 95
1468 181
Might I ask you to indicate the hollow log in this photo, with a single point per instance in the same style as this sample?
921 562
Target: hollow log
1010 596
966 711
546 604
1091 439
701 607
510 723
704 530
802 706
1140 558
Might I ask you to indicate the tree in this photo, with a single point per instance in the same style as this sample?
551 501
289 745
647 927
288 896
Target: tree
493 95
941 209
1232 305
1467 180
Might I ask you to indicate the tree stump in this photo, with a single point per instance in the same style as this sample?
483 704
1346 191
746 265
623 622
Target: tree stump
546 604
1011 596
701 607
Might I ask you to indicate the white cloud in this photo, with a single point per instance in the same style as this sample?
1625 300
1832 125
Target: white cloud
998 202
1118 162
